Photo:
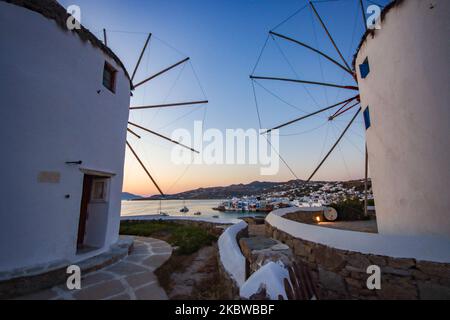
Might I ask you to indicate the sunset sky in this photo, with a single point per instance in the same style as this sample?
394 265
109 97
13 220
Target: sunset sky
223 38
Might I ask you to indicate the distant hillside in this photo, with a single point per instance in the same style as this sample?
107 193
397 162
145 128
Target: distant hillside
130 196
292 188
236 190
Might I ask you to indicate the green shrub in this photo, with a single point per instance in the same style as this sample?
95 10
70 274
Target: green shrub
188 239
350 210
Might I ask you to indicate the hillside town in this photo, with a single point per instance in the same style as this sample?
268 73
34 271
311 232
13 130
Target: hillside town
298 193
320 193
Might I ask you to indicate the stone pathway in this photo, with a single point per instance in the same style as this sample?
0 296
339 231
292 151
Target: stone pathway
256 230
132 278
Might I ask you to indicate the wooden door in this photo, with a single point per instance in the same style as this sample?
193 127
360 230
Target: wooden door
85 199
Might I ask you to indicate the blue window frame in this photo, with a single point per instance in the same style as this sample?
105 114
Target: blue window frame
367 118
364 68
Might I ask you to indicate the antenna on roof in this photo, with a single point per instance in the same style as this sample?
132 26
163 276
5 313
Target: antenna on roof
105 39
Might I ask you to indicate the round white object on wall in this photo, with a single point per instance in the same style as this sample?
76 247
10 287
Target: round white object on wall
330 214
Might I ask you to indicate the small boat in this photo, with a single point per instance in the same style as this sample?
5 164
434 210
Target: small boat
184 209
163 214
198 213
216 217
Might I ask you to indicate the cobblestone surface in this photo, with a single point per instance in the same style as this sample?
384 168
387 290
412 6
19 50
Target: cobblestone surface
132 278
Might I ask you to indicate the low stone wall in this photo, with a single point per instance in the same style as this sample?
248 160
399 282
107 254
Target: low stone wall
341 274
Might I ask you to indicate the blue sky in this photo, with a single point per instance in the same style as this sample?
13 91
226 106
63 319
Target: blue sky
223 39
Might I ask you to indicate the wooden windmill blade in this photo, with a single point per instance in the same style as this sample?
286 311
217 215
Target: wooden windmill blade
145 169
335 145
163 137
312 114
164 105
177 104
133 133
140 56
312 49
161 72
339 113
329 35
348 87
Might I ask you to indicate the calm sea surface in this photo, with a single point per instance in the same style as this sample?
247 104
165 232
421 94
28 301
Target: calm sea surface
172 207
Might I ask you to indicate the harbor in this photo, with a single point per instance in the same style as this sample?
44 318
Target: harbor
173 207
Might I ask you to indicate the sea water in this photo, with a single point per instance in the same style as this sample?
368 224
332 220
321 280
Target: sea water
173 207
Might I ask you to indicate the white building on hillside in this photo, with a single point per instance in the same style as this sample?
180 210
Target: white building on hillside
64 111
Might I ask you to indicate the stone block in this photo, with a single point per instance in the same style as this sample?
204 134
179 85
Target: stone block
397 272
301 249
151 292
100 291
358 261
156 261
441 270
41 295
377 260
357 283
398 290
329 258
141 279
401 263
332 281
433 291
419 275
95 278
126 268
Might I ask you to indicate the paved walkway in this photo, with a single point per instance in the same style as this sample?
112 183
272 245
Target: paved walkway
132 278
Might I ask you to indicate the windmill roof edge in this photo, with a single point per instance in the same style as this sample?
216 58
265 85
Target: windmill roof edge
52 10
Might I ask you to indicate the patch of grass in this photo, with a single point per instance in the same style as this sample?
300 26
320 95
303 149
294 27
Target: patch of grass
188 239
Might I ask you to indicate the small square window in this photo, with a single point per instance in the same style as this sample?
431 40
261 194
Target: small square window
109 77
99 190
367 121
364 68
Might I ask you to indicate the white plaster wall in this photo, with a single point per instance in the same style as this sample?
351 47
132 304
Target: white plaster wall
230 253
51 113
408 92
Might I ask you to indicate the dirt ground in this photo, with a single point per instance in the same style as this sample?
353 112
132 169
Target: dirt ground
192 277
362 226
